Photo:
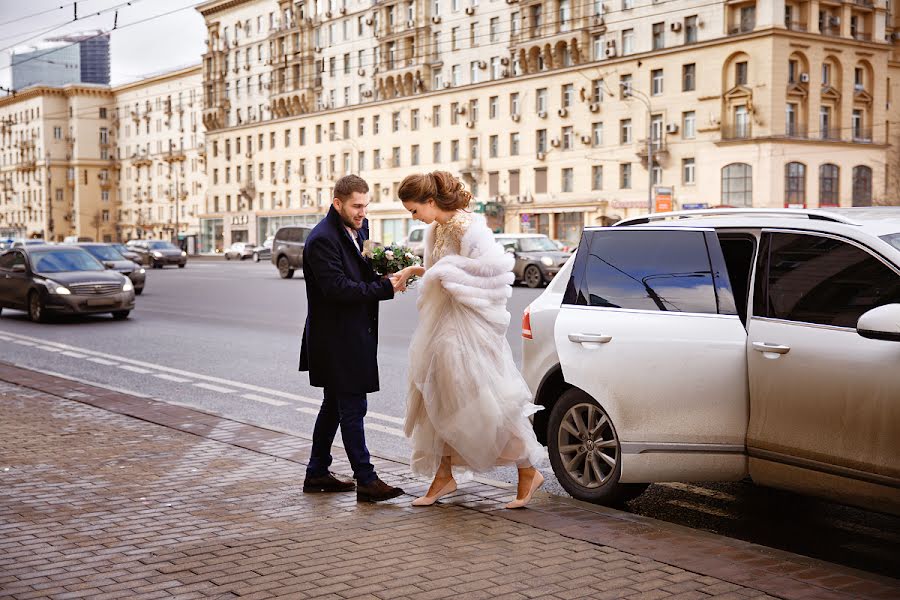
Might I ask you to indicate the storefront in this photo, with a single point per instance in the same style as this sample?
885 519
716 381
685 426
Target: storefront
267 226
562 224
212 235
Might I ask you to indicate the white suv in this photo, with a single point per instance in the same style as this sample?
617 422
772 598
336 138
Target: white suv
713 345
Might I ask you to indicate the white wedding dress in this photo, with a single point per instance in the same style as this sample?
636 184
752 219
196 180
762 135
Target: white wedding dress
466 397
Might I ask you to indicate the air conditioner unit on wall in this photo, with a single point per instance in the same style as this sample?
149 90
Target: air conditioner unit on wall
436 19
563 112
515 117
676 26
594 107
470 10
610 52
672 128
804 77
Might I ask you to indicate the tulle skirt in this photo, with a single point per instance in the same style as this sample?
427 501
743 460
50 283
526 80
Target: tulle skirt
467 399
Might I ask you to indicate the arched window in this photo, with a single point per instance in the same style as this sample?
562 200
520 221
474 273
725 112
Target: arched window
828 185
795 185
737 185
862 186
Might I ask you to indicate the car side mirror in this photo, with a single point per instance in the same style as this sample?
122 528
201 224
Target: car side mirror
108 265
510 250
18 268
881 323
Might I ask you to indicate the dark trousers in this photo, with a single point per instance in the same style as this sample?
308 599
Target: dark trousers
347 410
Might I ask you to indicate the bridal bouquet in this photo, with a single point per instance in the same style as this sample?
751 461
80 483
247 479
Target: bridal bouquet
387 260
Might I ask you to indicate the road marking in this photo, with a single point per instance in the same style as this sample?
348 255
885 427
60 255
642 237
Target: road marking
693 489
24 342
385 429
308 411
215 388
264 399
47 348
131 368
74 354
247 387
102 361
168 377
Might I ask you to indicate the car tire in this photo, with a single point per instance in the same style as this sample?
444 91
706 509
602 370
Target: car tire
36 310
120 315
532 276
182 265
227 257
284 268
138 291
256 257
569 454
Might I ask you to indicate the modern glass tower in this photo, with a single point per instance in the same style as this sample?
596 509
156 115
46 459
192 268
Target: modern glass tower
76 58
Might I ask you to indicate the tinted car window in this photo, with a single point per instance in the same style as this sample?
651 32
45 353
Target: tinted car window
816 279
6 261
645 270
104 253
415 235
59 261
537 244
161 246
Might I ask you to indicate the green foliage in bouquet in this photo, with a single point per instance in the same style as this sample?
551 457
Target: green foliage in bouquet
387 260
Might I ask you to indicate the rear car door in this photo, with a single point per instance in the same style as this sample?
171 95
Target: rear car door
648 328
824 401
14 284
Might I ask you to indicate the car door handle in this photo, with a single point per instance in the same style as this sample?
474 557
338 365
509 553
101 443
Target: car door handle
589 338
767 347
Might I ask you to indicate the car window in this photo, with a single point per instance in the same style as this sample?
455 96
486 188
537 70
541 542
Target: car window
644 270
816 279
58 261
508 243
415 235
104 253
6 261
161 246
893 239
537 244
302 234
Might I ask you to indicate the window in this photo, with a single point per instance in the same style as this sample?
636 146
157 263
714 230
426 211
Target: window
494 29
454 37
689 77
828 185
395 156
862 186
474 71
687 171
514 144
540 180
568 95
793 71
645 270
598 46
473 110
456 75
809 278
493 146
659 33
514 183
689 125
795 185
541 141
435 116
414 119
860 134
514 103
741 122
376 123
414 155
597 134
568 180
568 138
791 120
625 86
454 113
541 100
740 73
376 159
625 131
656 82
395 121
596 177
493 107
454 150
737 185
597 90
436 152
691 27
628 41
625 176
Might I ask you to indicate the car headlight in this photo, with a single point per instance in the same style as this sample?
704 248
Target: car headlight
142 270
183 253
547 261
157 255
127 286
55 288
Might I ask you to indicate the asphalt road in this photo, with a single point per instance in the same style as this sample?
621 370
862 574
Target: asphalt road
224 337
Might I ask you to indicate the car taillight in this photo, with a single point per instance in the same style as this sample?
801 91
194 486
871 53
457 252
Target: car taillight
526 324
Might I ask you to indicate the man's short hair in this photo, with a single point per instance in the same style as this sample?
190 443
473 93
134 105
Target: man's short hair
347 185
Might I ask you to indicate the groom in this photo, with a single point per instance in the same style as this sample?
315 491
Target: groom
340 341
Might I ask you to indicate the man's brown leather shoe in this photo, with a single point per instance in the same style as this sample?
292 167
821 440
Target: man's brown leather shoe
376 492
327 483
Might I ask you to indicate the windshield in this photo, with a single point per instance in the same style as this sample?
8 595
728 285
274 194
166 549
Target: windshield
893 239
104 253
162 246
120 247
537 244
60 261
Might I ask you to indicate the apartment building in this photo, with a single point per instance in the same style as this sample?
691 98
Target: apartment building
57 163
107 163
549 111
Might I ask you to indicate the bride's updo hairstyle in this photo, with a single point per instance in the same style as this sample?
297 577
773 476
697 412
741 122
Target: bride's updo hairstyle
447 191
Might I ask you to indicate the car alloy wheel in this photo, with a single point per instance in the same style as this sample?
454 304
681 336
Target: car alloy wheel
256 257
533 277
35 307
284 268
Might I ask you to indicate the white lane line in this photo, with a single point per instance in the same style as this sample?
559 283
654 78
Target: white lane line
168 377
47 348
102 361
308 411
215 388
264 399
74 354
132 368
385 429
24 343
247 387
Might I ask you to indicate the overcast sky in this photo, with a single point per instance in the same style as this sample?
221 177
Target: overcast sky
160 44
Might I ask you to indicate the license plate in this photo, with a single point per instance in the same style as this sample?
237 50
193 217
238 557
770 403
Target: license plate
100 301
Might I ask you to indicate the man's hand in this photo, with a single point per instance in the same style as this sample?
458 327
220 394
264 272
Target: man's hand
398 282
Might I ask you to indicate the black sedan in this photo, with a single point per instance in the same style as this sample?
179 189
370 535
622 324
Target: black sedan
113 259
58 279
158 254
538 259
129 254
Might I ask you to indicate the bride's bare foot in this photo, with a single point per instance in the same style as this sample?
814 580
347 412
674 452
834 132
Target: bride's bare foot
530 479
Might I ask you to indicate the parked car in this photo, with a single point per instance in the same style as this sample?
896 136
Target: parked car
264 251
239 251
75 239
129 254
30 242
717 344
287 249
538 259
415 241
61 279
158 253
113 259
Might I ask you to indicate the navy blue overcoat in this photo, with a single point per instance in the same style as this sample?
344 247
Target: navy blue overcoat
340 339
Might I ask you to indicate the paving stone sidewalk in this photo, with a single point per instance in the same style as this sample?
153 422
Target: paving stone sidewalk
105 495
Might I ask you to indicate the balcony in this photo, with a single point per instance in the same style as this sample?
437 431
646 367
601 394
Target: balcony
741 28
831 135
660 150
862 135
796 26
28 164
174 155
141 160
861 36
737 132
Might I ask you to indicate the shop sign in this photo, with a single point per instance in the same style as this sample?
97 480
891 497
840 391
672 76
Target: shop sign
663 199
240 219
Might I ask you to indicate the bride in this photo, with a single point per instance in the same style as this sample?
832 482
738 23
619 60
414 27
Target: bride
468 406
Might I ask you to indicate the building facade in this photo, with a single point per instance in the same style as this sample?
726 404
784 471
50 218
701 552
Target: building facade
74 58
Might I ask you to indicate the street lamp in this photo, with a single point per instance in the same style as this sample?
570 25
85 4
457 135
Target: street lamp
630 93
